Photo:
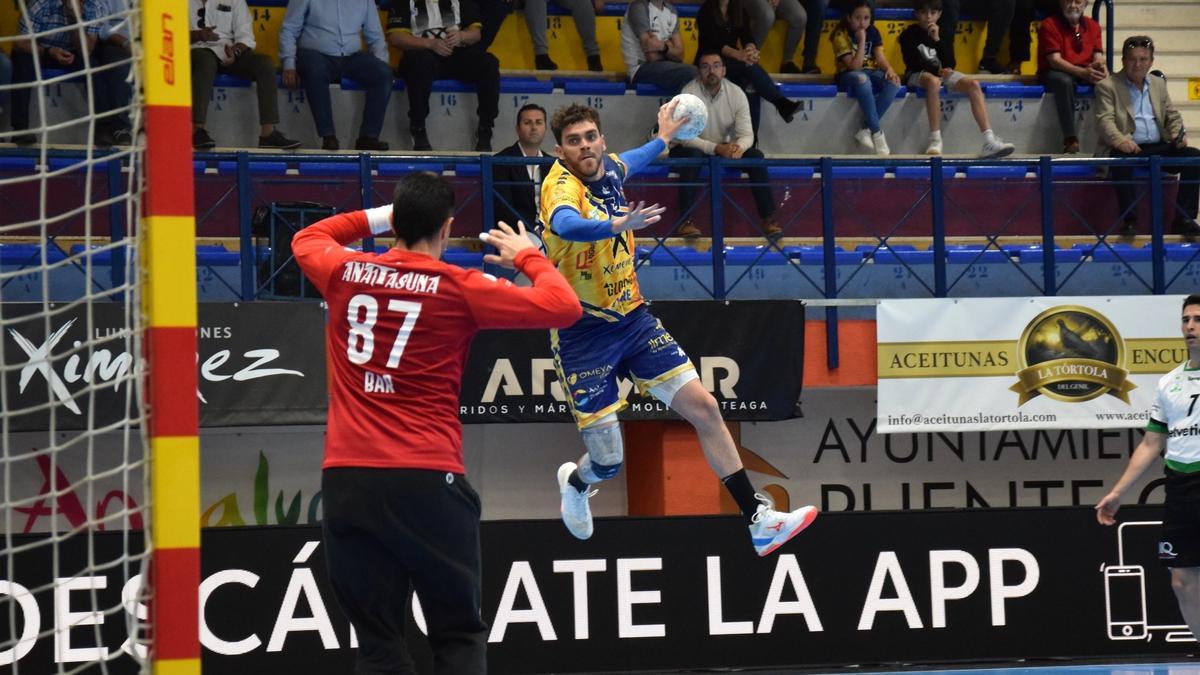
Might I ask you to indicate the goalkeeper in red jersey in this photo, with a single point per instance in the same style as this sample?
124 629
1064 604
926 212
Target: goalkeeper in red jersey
398 511
588 230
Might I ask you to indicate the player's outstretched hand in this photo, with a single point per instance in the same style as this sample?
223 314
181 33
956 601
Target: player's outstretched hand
1106 509
668 126
508 243
638 216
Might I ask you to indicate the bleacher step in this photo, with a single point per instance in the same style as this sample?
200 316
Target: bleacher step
1157 14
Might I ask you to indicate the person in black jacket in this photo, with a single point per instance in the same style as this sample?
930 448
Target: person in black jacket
517 187
924 59
724 27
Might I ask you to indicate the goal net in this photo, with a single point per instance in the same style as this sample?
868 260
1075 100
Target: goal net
98 451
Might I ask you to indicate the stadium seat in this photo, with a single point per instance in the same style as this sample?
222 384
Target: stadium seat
790 172
24 255
793 90
395 169
1122 254
860 172
593 88
226 80
453 86
993 172
921 173
328 168
1185 252
510 85
1033 256
1012 90
199 167
816 256
976 256
1069 171
887 256
679 255
255 168
463 257
647 89
755 255
18 164
464 170
868 250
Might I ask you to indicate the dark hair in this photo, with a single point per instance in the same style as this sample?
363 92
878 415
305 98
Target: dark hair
848 7
1137 42
927 5
572 114
421 203
531 106
708 51
1192 299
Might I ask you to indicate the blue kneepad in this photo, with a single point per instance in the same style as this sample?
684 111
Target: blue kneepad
605 471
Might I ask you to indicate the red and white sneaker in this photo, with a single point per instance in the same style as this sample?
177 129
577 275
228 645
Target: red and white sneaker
770 529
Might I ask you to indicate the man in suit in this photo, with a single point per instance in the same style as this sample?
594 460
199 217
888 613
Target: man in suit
518 186
1135 118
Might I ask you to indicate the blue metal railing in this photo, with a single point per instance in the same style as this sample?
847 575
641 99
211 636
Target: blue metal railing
367 170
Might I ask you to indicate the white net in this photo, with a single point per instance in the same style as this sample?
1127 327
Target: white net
73 479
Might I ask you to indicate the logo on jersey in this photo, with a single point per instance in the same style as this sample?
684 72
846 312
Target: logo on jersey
1071 354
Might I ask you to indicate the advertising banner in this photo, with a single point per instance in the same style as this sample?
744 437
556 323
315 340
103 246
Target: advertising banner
856 588
978 364
749 354
260 363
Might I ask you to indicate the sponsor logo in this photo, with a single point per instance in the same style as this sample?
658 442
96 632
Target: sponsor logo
371 274
378 383
1166 551
1071 354
599 371
168 50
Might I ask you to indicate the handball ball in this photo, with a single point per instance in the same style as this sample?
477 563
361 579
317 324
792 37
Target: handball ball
690 106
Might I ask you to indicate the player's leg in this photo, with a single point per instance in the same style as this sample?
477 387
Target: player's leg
446 569
663 369
370 583
1185 581
586 370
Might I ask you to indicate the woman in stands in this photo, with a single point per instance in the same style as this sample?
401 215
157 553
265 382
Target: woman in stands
864 72
724 27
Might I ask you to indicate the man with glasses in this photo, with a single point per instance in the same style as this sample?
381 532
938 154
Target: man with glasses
728 134
1135 118
1070 52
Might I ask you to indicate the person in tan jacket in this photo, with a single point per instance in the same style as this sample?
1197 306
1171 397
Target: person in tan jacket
1135 118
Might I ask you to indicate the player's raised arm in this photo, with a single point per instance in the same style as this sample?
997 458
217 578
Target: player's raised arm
321 246
550 303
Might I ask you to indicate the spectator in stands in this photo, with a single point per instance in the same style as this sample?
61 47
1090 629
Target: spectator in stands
518 186
923 54
1135 118
222 38
803 17
999 16
724 29
440 38
583 11
112 47
653 47
727 134
319 43
864 72
1070 52
63 48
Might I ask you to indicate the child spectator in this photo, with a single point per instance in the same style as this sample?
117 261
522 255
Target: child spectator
924 66
864 72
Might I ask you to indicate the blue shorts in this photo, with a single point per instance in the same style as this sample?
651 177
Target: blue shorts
590 358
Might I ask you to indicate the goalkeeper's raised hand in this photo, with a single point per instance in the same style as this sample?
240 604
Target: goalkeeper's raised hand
508 243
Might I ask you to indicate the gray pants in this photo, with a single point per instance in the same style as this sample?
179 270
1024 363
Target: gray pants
763 15
1062 86
582 11
249 66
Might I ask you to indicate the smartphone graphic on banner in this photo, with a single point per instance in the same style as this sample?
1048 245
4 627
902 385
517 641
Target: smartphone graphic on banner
1125 602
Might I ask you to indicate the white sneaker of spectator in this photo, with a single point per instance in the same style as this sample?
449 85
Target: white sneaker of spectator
935 144
995 147
879 142
863 137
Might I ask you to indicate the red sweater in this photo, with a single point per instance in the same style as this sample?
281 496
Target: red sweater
398 330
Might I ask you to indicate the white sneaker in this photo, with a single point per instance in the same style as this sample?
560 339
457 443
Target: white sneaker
863 137
935 146
576 513
770 529
996 148
879 142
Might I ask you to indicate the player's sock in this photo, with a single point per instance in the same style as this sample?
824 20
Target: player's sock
738 484
577 482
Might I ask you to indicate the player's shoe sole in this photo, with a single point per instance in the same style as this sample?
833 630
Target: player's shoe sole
764 546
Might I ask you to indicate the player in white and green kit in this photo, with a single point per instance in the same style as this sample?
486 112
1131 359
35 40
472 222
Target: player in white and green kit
1175 427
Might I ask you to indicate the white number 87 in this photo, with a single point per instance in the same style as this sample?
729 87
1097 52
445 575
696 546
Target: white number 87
360 343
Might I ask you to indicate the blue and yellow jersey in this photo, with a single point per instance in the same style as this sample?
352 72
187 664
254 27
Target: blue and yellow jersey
601 272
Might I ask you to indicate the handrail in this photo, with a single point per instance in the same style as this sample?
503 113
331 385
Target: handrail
1108 28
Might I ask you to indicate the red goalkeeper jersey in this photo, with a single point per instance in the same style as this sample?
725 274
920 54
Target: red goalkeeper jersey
398 330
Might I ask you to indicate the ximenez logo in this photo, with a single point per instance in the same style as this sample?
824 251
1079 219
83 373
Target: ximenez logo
1071 354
